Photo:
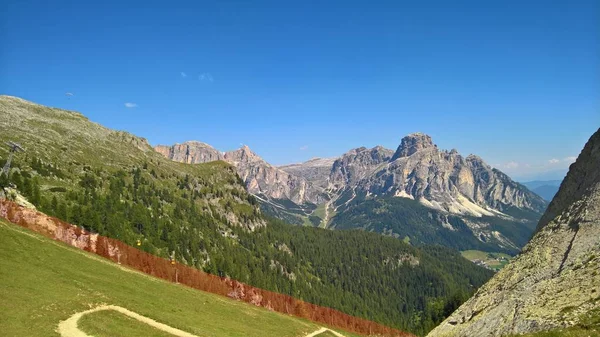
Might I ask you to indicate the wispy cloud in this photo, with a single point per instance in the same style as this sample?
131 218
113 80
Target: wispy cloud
69 94
511 165
303 147
130 105
553 161
570 159
206 77
183 74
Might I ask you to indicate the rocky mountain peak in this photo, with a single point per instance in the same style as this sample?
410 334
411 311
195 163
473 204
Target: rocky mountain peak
357 164
191 152
412 143
243 154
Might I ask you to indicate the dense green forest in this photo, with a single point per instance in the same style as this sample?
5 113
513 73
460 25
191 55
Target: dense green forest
115 184
405 218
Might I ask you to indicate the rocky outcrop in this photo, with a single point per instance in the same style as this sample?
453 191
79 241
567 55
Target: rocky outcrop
447 181
413 143
442 180
191 152
262 179
357 164
266 180
315 170
555 279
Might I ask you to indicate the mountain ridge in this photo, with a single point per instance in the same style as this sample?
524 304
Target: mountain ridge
442 181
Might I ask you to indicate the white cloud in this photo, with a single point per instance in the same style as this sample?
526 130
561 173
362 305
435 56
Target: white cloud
69 94
183 74
570 159
206 77
130 105
304 148
553 161
511 165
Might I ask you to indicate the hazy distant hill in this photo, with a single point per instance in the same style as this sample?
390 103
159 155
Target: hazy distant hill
544 188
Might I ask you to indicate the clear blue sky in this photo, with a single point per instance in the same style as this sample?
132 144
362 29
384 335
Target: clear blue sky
516 82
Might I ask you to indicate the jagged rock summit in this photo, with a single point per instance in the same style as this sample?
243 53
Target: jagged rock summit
192 152
556 278
262 179
357 164
446 181
412 143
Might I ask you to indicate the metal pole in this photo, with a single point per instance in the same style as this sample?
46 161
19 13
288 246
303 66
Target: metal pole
6 168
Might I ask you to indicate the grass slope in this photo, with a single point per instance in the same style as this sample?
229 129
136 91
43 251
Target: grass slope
495 261
96 324
43 282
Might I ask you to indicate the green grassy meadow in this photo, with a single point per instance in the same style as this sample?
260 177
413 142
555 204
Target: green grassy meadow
43 282
493 260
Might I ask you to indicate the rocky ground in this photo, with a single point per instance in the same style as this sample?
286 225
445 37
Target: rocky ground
556 278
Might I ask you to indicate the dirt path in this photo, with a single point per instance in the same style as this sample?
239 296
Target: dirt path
68 328
320 331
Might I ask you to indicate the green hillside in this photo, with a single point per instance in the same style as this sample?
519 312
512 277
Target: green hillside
43 282
402 217
114 184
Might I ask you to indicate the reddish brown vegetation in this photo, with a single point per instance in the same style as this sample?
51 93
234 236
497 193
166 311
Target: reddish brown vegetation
119 252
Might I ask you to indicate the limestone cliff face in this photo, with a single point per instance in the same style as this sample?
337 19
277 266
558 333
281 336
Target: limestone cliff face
556 278
357 164
267 180
413 143
191 152
261 178
446 181
315 170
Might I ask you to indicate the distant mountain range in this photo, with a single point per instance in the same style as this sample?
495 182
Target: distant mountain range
418 193
546 189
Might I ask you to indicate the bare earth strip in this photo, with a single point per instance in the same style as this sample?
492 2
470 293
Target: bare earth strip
68 327
320 331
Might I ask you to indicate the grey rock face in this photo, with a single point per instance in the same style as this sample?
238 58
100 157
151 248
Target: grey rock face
316 170
191 152
261 178
447 181
555 279
413 143
357 164
265 179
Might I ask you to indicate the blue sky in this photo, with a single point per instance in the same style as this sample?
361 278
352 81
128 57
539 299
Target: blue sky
516 82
